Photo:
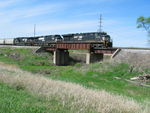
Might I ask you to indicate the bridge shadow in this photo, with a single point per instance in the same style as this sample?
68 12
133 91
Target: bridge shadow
77 58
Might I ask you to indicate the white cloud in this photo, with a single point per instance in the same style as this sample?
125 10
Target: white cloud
6 3
78 25
41 9
94 1
52 28
20 13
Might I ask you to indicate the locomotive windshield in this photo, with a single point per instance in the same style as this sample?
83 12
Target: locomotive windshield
106 38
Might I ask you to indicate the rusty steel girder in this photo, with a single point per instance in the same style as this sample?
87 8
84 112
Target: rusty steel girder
73 46
78 45
105 51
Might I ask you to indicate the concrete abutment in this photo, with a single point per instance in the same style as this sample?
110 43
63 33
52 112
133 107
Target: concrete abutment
61 57
94 57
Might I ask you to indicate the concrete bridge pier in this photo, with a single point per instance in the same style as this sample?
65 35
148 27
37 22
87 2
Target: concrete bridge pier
61 57
94 57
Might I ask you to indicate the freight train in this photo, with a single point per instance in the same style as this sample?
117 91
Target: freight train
103 39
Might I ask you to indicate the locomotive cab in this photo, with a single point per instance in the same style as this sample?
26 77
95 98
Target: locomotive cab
58 38
107 41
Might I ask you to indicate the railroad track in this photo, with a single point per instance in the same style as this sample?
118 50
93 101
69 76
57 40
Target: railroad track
13 46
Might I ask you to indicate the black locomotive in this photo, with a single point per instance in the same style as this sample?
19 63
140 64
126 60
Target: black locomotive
102 39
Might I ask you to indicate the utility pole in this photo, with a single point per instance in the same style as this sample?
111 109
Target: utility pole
34 30
100 23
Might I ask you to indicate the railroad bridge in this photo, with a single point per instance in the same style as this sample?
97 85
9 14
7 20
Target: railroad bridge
61 53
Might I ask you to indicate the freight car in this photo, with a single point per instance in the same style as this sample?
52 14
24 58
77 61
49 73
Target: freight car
8 41
1 41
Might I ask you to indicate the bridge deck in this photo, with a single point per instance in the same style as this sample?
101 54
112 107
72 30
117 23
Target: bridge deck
90 46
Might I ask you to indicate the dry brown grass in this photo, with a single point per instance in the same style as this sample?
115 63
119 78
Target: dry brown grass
75 96
105 66
139 59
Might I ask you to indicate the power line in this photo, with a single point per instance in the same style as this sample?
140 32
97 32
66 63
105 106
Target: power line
100 23
34 30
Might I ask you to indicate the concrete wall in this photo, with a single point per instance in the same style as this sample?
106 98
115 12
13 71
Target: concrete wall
135 57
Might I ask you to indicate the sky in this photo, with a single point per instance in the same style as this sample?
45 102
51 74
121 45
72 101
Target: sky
18 17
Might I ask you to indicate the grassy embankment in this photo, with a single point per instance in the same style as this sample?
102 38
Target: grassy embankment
95 76
35 94
13 100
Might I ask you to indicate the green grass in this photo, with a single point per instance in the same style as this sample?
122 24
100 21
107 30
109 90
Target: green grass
95 76
100 80
13 100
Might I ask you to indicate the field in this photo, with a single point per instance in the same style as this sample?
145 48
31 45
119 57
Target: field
93 81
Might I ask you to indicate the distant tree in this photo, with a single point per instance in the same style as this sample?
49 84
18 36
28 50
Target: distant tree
143 22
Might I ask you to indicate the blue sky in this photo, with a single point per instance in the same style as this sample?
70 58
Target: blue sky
17 18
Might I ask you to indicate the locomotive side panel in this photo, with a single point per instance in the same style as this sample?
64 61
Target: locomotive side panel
102 38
